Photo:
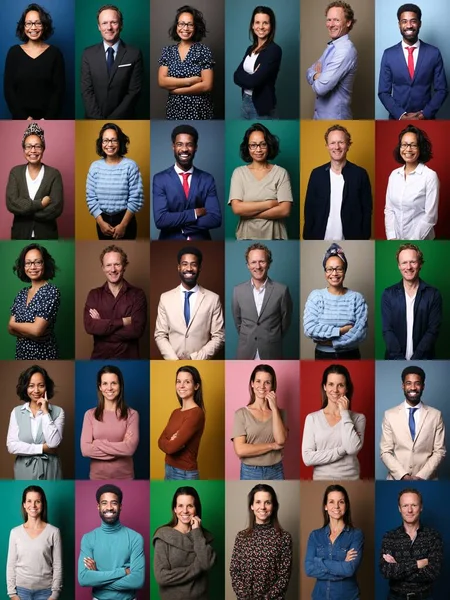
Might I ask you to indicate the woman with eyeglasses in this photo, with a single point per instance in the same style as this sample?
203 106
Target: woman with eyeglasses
34 193
260 192
333 436
412 195
258 71
35 308
335 318
186 68
114 190
34 80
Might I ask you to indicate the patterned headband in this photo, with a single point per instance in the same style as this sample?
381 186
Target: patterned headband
335 250
34 129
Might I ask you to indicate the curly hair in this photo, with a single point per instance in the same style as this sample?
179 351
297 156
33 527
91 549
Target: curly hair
114 248
348 137
259 246
409 8
349 14
186 129
49 263
200 30
123 139
423 143
45 18
272 141
24 381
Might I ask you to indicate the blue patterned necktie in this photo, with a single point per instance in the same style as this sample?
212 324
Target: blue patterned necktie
109 59
187 308
412 423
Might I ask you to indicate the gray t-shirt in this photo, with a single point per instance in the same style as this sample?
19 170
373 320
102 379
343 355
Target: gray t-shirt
257 432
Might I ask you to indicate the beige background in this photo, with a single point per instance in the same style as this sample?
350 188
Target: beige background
236 519
360 278
89 274
362 498
313 39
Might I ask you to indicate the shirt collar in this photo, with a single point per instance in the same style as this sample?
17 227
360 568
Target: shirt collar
339 40
179 171
26 408
416 45
419 169
125 286
115 47
193 290
261 288
408 406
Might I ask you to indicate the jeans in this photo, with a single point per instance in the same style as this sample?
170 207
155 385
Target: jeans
174 474
251 473
344 355
248 110
25 594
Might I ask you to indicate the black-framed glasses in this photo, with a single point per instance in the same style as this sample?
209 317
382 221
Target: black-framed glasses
254 145
33 147
339 270
113 142
34 263
183 25
30 24
412 146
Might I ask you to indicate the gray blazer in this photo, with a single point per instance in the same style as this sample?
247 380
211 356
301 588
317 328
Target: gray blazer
264 332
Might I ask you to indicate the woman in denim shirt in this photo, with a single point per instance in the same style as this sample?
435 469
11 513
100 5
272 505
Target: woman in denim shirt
334 552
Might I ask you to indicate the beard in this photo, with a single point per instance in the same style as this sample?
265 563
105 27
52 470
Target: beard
415 399
110 520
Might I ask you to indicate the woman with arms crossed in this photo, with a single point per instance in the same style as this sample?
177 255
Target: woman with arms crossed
334 552
110 433
183 551
34 567
334 435
259 432
258 71
181 437
261 561
36 429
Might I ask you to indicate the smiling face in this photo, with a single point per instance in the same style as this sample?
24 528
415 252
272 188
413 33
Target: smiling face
337 146
185 509
410 508
189 270
409 149
409 265
261 385
109 508
184 150
185 386
113 268
185 26
257 147
109 386
262 507
261 26
335 387
409 26
109 26
33 504
335 273
33 26
258 265
335 505
110 143
36 387
413 388
336 24
33 150
34 265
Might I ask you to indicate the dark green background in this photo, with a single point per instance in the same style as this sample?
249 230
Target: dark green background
434 272
63 253
212 496
135 32
61 511
288 158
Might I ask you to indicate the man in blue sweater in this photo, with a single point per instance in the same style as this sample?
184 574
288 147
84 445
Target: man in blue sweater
112 559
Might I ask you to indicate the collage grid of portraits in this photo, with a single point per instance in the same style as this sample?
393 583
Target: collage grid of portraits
112 340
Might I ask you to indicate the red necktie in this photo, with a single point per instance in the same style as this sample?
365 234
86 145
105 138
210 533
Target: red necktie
185 177
411 61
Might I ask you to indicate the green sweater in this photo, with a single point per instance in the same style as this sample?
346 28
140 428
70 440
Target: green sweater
114 548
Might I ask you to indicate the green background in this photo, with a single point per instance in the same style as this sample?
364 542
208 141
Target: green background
135 32
434 272
60 495
288 158
212 496
63 253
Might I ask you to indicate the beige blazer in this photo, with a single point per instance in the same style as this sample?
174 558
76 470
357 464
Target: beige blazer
404 456
201 339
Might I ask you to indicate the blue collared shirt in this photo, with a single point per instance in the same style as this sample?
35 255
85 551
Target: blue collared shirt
334 85
336 578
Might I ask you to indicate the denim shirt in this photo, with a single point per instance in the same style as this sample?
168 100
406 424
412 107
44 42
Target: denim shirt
336 579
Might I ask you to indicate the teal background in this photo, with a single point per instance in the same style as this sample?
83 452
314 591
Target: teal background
135 32
63 254
212 496
434 272
287 36
60 495
288 158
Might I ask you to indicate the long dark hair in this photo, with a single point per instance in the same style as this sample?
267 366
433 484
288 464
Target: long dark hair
347 514
121 406
24 381
40 491
198 394
264 369
264 10
263 487
186 490
338 370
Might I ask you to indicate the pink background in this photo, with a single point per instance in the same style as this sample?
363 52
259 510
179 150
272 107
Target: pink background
135 515
237 377
59 153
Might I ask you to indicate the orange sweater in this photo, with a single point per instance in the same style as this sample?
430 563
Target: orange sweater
182 451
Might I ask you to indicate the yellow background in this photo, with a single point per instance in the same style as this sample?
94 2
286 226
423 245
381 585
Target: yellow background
211 458
86 134
314 153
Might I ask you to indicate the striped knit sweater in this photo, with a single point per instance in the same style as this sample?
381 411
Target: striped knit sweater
111 188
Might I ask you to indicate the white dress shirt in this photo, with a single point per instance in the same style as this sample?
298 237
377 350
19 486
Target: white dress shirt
33 185
258 296
52 431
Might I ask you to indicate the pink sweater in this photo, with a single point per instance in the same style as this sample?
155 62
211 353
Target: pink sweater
110 444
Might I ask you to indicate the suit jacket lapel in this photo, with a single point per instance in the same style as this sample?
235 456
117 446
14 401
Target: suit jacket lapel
402 61
102 71
198 302
249 300
421 58
193 189
422 421
121 51
267 295
403 424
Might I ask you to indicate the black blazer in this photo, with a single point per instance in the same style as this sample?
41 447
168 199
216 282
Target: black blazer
28 214
111 96
262 81
356 209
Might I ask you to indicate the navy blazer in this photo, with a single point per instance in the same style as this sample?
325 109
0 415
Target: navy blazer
262 81
174 213
356 209
399 93
427 321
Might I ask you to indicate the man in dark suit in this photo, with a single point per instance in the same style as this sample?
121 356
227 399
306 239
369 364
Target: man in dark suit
185 203
262 309
412 82
111 72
